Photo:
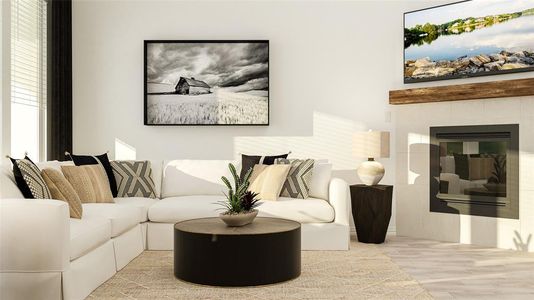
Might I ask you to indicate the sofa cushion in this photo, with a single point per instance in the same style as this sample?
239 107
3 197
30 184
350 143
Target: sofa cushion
310 210
90 183
481 167
297 183
248 161
100 183
320 180
122 217
61 189
80 182
194 177
269 182
157 166
447 164
176 209
87 234
461 165
142 203
134 178
51 164
8 187
103 160
29 180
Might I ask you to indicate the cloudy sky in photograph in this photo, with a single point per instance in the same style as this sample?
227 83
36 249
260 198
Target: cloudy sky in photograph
237 66
474 8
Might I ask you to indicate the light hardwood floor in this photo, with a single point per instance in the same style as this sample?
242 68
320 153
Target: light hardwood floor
456 271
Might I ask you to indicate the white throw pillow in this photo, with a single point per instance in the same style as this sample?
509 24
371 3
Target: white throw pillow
52 164
321 175
447 164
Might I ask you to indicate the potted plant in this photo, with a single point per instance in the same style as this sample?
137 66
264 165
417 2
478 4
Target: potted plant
497 182
240 203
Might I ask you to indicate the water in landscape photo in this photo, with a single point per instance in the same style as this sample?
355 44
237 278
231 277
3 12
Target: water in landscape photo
469 39
207 83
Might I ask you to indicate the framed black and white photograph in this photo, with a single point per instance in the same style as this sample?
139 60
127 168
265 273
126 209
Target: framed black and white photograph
206 82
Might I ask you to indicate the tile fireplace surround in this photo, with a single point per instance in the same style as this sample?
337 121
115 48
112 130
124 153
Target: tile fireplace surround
414 218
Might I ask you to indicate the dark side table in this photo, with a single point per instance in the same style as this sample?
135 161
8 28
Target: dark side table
371 210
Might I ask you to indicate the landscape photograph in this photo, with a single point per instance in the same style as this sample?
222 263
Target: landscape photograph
206 82
470 38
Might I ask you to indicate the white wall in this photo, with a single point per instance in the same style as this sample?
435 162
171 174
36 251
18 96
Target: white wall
322 60
330 70
331 66
354 49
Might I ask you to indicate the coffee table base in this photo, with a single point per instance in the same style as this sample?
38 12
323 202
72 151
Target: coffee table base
237 260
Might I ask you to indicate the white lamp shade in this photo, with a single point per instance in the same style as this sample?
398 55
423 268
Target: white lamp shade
371 144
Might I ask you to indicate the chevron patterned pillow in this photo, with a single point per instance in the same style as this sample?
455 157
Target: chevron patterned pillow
134 178
297 184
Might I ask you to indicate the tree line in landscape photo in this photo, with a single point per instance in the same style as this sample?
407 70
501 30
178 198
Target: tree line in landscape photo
469 45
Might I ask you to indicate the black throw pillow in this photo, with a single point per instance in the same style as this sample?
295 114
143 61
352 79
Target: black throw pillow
19 178
81 160
248 161
461 165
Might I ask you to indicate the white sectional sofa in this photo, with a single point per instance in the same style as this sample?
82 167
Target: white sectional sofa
44 254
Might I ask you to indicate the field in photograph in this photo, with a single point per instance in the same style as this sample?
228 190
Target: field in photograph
220 107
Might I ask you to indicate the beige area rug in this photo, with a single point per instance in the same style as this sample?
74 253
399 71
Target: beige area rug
364 272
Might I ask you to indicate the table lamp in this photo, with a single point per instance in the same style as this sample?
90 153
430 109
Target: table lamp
371 144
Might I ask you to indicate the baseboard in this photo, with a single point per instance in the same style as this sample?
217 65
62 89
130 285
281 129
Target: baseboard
391 230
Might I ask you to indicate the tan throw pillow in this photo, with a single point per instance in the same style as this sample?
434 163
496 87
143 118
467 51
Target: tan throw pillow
269 182
99 179
62 190
256 171
89 182
80 181
480 167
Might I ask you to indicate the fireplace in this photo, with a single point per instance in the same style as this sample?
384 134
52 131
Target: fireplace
474 170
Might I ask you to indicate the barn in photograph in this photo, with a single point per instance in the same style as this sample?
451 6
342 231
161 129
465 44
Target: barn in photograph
191 86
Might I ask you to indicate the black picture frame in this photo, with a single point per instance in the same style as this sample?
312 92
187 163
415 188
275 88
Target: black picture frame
145 90
449 77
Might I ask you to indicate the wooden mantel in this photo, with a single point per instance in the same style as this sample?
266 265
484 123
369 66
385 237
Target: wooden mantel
471 91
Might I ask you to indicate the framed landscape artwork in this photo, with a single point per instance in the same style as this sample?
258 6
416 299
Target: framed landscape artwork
206 82
469 38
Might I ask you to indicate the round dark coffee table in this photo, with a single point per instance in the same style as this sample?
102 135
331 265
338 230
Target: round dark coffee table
208 252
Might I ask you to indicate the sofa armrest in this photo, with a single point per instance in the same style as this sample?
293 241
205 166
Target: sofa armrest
339 198
34 235
453 182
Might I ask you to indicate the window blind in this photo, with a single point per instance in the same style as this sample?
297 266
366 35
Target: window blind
28 77
28 52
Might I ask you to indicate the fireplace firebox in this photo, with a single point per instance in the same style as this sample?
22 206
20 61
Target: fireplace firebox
474 170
